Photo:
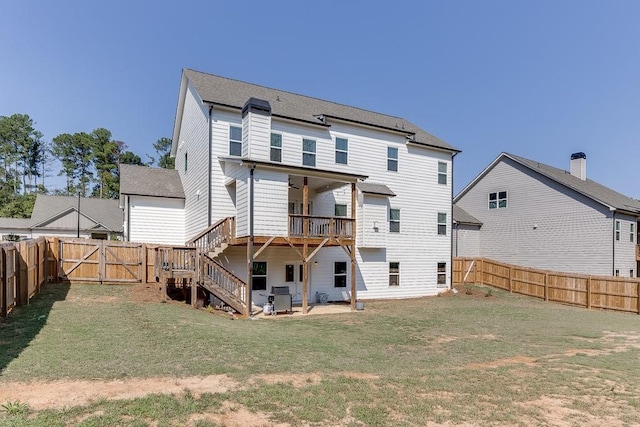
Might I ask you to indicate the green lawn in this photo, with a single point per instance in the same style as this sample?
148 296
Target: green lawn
462 359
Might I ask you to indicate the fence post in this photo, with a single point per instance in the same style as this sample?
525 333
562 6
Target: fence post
194 283
589 292
23 280
482 271
546 286
638 292
510 279
143 264
3 283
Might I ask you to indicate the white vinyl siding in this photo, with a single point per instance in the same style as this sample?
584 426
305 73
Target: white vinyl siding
546 225
156 220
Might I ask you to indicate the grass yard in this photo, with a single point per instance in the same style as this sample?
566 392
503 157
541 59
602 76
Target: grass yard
88 355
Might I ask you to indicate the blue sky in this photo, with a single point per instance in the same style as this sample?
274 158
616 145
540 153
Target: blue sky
539 79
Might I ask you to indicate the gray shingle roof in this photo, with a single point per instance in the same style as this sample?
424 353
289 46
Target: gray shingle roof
589 188
234 93
463 217
104 211
146 181
375 188
15 222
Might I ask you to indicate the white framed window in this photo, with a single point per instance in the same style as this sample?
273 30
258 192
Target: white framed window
442 274
631 273
632 232
498 200
340 274
617 230
392 159
394 220
342 151
235 141
442 173
309 152
340 210
259 276
394 274
442 223
276 148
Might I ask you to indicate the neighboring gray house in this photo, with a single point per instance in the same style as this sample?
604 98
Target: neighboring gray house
58 216
466 234
153 203
543 217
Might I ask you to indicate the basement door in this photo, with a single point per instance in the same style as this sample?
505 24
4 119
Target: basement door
293 279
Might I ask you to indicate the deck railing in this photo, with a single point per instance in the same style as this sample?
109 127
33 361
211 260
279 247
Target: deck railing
176 258
219 276
214 236
320 226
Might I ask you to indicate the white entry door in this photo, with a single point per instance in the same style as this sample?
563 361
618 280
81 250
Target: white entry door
293 279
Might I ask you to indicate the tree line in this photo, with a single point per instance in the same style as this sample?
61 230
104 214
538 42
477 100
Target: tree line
89 163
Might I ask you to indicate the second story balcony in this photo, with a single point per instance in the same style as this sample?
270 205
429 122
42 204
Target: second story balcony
310 226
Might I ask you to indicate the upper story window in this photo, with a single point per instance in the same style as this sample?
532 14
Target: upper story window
632 231
617 230
392 159
276 147
308 152
235 141
442 224
498 200
442 173
340 210
342 150
394 220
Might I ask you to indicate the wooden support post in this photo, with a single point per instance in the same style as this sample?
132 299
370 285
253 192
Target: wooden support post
354 296
481 271
305 246
546 286
589 292
510 280
194 282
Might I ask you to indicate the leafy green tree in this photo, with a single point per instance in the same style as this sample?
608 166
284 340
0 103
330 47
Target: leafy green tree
22 148
106 154
163 148
76 153
129 158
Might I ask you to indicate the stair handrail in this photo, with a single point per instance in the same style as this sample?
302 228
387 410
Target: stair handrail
220 232
231 283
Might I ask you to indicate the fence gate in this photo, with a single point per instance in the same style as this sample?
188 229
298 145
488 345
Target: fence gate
103 261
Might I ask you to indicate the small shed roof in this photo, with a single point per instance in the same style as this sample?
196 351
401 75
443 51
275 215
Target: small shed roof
146 181
375 188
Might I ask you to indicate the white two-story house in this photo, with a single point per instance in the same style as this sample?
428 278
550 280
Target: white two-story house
328 199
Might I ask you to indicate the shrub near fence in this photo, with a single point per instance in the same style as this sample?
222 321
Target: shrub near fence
22 272
608 293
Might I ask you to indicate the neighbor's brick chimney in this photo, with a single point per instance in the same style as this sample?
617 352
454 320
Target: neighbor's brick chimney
579 165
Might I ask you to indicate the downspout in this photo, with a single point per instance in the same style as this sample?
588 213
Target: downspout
250 244
451 219
209 168
128 208
613 245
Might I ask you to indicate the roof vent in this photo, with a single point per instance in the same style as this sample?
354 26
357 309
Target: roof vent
258 106
579 165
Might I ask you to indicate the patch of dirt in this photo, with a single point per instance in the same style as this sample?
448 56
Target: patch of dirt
58 394
145 292
518 360
296 380
556 412
235 415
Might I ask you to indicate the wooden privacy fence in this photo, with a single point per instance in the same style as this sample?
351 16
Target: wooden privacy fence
23 270
608 293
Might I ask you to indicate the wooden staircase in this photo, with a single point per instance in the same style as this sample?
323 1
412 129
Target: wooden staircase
212 276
